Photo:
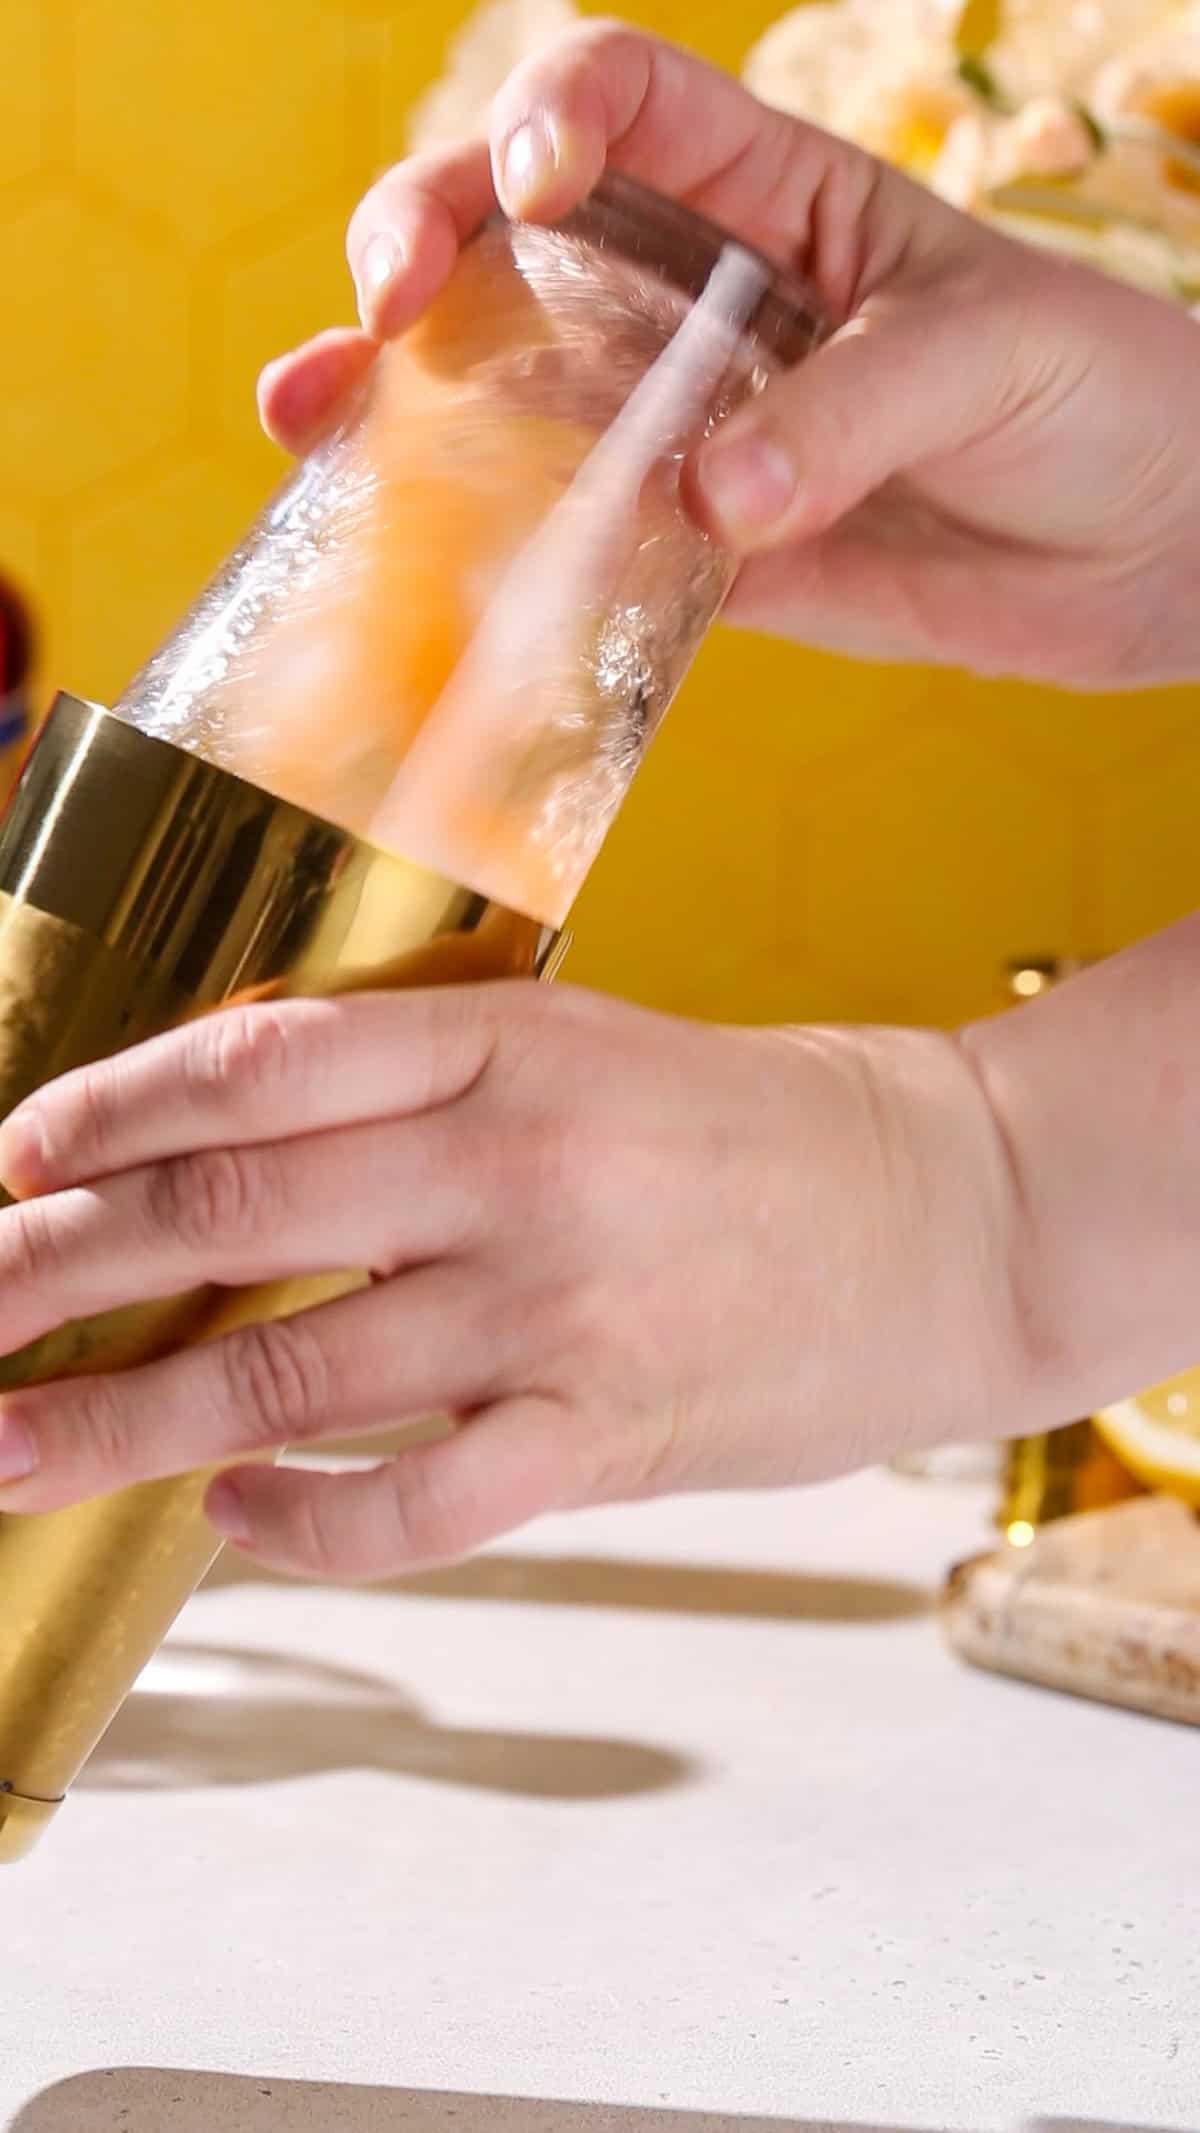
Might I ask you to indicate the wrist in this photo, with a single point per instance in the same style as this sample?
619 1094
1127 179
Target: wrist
944 1318
1094 1096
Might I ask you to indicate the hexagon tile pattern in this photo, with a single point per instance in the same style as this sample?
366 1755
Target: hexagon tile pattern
96 356
810 838
167 532
216 118
23 136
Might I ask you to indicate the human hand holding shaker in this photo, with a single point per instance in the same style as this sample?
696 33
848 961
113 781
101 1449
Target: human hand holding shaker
382 750
626 1254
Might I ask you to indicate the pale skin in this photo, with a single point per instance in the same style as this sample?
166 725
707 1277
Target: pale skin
637 1255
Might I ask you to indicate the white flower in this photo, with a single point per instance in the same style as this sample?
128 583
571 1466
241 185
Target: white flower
879 72
1165 52
1056 47
1045 139
806 61
960 173
1155 87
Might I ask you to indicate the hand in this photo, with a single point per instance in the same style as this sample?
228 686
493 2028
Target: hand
991 463
631 1255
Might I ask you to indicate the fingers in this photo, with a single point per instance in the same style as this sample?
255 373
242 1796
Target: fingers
911 378
402 243
406 234
429 1506
268 1072
300 395
842 592
381 1196
432 1341
605 94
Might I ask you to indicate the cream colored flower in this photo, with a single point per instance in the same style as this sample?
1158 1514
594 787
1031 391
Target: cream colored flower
1153 91
1015 142
1143 98
1056 47
960 172
805 62
1165 49
1046 139
494 40
883 73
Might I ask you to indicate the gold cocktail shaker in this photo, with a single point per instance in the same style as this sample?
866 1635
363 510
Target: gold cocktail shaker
138 886
382 750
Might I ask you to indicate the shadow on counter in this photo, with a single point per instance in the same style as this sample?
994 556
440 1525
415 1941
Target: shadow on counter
208 1715
148 2100
645 1588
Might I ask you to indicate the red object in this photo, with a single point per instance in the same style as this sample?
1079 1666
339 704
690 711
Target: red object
16 664
16 641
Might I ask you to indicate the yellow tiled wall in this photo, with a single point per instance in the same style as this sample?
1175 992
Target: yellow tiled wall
809 838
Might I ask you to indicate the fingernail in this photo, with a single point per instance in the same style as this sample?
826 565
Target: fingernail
748 483
226 1511
378 267
22 1154
18 1454
529 162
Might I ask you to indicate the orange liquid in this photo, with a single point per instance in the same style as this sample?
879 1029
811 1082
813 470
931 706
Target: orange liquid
445 490
479 597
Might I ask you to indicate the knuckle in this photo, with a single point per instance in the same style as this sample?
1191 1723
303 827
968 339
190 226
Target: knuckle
552 1162
543 1038
333 1530
585 1318
832 426
97 1425
600 1466
316 1538
202 1198
87 1127
76 1126
33 1245
461 1037
568 58
279 1381
598 39
72 1124
247 1050
564 1166
429 1523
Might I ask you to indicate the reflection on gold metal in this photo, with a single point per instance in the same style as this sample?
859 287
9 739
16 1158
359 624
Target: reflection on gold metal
21 1824
1060 1471
140 887
1058 1474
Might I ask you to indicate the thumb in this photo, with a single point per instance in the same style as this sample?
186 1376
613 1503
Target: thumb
891 389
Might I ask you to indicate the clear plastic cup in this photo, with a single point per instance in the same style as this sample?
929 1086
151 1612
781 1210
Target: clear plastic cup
458 625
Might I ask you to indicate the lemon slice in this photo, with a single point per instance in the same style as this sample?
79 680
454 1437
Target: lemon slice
1157 1436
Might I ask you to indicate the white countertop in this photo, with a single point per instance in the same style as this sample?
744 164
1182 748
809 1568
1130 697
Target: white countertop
669 1820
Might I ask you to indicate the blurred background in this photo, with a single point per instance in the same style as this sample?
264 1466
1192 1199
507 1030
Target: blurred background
863 844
